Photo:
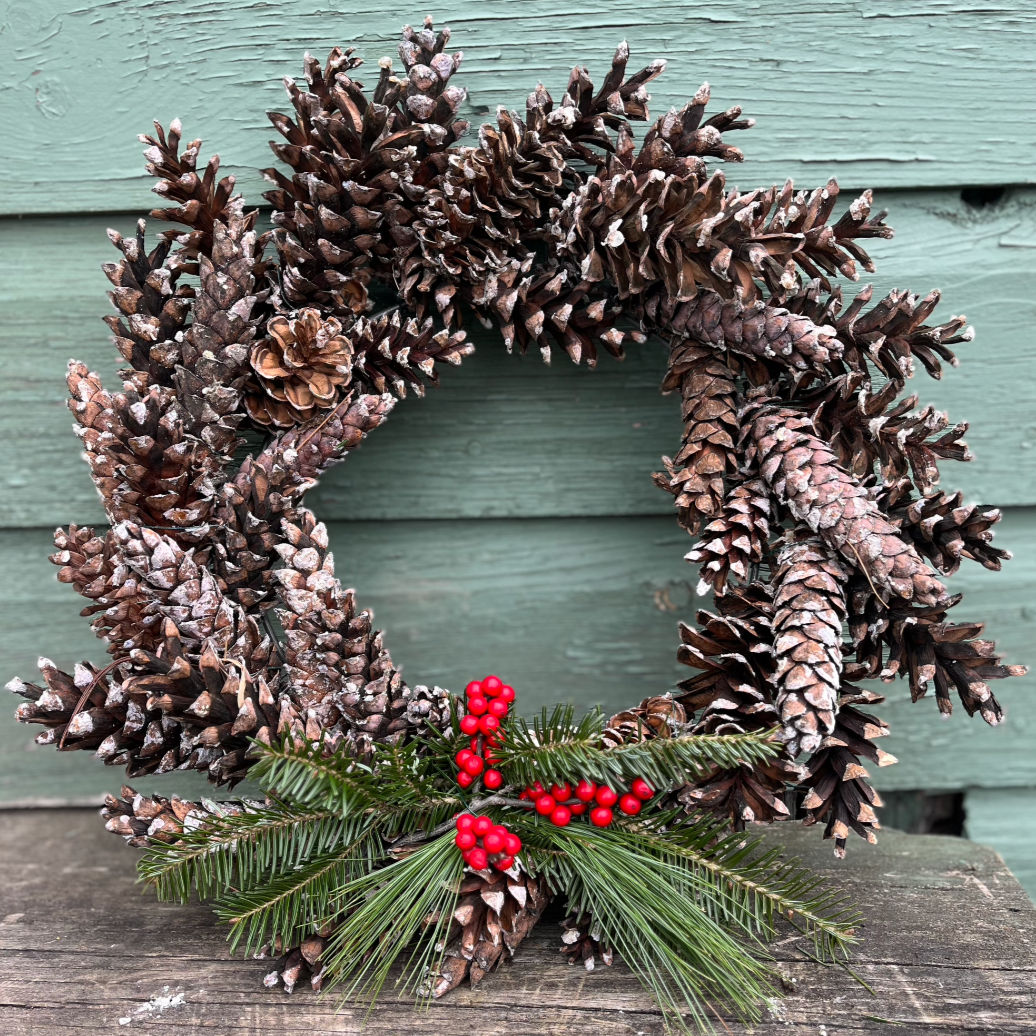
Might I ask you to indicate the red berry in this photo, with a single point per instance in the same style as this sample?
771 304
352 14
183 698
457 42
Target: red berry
630 805
504 863
562 792
469 724
464 755
474 745
490 756
464 779
585 790
578 808
524 795
498 708
500 830
482 826
506 694
545 804
561 817
492 685
465 840
642 789
477 858
473 765
601 816
536 789
512 844
464 821
492 843
493 779
605 796
477 705
473 690
488 724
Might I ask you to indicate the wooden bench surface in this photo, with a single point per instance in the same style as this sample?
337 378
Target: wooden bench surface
949 947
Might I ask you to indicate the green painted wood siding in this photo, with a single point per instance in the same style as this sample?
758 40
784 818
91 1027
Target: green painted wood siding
525 534
885 94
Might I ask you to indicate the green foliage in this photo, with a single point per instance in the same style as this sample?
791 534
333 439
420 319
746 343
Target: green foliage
385 912
685 902
558 748
242 850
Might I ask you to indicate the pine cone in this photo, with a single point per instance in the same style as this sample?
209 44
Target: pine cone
838 787
304 364
268 486
169 711
809 608
659 231
477 219
660 716
494 914
925 648
340 678
580 124
213 367
707 457
139 819
96 571
141 460
804 474
348 204
867 431
944 529
738 539
581 942
750 329
200 201
734 695
155 308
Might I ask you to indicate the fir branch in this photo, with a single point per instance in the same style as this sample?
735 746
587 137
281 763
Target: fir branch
400 791
557 749
241 850
300 900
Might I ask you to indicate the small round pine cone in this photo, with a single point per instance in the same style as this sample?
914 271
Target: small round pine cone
304 365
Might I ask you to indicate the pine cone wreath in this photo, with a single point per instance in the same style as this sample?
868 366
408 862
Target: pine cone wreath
398 814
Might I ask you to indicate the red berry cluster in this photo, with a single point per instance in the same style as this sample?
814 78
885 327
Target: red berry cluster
482 842
489 701
563 802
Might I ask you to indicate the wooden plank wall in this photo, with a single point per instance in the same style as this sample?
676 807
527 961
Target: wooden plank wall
508 520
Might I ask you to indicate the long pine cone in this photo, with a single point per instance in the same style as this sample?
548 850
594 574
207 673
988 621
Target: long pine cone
809 609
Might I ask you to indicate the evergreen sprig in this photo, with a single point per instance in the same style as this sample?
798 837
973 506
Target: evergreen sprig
558 748
365 852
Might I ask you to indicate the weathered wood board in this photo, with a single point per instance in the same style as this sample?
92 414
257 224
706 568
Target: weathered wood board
880 94
505 436
573 609
949 946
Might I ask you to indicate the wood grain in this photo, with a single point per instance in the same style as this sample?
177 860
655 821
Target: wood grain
505 436
566 609
932 94
949 946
